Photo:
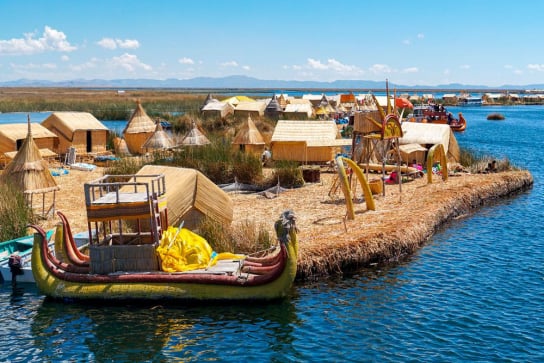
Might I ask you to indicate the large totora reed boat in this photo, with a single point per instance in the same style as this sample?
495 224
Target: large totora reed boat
146 266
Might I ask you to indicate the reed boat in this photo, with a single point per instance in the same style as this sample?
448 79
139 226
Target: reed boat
437 114
242 278
135 266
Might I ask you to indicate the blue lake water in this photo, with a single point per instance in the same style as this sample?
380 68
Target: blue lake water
475 292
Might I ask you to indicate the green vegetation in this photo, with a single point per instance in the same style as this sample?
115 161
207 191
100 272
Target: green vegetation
477 162
247 237
15 213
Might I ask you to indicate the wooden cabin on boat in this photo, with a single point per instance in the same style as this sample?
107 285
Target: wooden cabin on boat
80 130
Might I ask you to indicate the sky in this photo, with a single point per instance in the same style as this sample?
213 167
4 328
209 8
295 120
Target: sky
473 42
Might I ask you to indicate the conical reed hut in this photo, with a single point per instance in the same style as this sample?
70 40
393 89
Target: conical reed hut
29 172
139 128
249 139
194 137
160 140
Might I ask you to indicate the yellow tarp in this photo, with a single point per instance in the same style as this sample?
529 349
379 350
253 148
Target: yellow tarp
186 251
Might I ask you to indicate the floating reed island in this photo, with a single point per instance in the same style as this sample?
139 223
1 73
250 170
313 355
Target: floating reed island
402 222
329 244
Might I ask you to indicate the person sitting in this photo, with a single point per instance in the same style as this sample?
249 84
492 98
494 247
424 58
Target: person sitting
393 178
266 156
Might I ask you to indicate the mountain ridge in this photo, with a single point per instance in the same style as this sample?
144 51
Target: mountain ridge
238 82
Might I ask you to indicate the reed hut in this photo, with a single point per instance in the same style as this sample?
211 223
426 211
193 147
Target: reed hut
249 139
273 109
298 111
195 137
208 99
120 146
217 110
12 137
235 100
139 128
160 140
191 196
307 141
428 135
80 130
29 172
245 109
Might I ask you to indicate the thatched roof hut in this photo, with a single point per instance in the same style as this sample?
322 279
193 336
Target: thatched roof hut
160 140
120 146
249 139
139 128
255 109
12 137
191 196
208 99
219 110
194 137
428 134
30 172
307 141
296 110
273 109
80 130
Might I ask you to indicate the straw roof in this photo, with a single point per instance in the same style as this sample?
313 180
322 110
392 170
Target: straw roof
191 195
431 134
139 122
120 146
273 106
19 131
208 99
45 153
69 122
249 134
159 140
314 133
28 170
195 137
234 100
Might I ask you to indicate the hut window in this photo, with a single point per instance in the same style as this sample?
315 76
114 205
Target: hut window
243 148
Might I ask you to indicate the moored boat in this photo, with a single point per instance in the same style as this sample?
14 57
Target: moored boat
15 257
437 114
240 278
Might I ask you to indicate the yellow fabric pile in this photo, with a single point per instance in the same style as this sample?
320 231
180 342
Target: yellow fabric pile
184 250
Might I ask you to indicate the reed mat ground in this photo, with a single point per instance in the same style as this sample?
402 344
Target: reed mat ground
330 244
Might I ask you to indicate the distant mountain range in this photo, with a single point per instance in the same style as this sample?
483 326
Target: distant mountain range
244 82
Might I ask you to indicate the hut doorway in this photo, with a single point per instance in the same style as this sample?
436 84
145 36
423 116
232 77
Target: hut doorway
89 141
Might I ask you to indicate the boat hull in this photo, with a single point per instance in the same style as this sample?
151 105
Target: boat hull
274 283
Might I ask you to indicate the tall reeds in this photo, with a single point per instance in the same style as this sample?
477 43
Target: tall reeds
15 213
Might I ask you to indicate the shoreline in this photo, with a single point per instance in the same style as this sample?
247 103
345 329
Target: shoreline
329 245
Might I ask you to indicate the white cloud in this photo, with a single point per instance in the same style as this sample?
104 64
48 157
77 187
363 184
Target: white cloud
92 63
110 43
536 67
333 65
230 64
464 66
420 36
380 68
130 62
64 58
406 42
186 60
410 70
247 68
32 66
51 40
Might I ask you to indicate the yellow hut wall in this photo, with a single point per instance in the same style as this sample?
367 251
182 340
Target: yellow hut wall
136 140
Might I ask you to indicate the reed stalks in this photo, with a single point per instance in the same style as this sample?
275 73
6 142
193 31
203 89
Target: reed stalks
15 213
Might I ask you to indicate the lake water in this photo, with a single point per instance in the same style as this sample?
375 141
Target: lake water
474 293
